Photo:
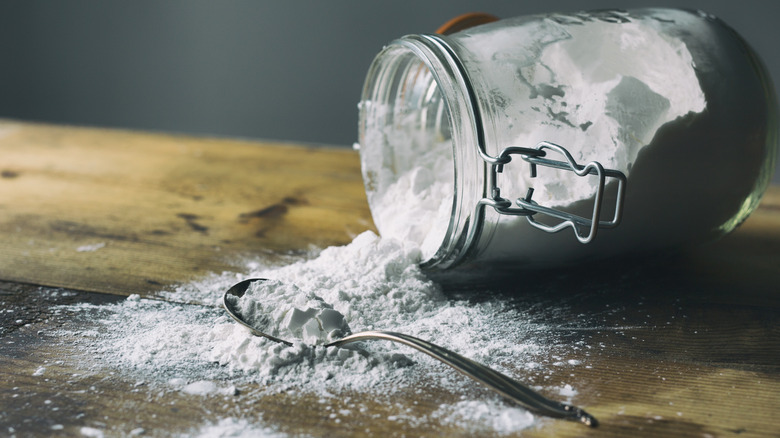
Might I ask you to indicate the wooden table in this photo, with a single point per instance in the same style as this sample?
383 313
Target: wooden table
699 354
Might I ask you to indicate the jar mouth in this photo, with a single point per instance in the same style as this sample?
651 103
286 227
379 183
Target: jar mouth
417 131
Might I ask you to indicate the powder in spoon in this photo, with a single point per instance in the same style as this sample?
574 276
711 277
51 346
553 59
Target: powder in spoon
307 317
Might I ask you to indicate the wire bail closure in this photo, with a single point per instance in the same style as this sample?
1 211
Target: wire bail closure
585 229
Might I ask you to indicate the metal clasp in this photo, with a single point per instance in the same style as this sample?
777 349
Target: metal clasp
585 229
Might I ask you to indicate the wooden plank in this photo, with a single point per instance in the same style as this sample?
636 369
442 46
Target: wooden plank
671 363
124 212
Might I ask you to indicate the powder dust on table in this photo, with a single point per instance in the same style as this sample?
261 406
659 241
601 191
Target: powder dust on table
373 284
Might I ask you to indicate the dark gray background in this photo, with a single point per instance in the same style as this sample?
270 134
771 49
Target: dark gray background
285 70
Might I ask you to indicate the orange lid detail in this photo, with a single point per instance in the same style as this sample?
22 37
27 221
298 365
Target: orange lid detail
465 21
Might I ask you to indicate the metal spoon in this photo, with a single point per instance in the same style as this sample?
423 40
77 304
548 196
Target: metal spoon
502 384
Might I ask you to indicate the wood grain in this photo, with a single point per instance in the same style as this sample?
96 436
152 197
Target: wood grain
163 209
687 345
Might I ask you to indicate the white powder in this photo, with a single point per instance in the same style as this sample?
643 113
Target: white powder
598 91
284 311
375 284
492 417
91 248
205 387
233 428
567 390
413 195
91 432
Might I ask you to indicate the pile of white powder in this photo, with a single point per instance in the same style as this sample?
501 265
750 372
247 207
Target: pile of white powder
371 283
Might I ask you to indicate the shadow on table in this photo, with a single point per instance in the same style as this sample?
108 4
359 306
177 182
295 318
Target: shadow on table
716 304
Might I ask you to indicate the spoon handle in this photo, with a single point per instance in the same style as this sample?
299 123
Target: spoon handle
504 385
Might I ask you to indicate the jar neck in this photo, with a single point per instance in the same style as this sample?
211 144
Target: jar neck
449 83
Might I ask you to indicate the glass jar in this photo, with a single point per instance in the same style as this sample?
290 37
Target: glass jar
552 139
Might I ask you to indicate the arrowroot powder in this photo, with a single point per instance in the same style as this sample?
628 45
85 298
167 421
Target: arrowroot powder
192 346
306 317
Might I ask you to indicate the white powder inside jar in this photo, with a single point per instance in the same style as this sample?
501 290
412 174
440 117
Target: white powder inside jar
410 185
418 206
595 88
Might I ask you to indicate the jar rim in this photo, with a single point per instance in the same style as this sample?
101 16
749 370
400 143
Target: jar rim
435 53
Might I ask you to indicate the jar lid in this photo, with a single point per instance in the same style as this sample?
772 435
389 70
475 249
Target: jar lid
465 21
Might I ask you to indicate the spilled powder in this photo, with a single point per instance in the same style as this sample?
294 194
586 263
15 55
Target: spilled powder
91 248
193 347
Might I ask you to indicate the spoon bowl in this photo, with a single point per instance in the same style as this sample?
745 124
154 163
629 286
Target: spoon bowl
498 382
238 290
